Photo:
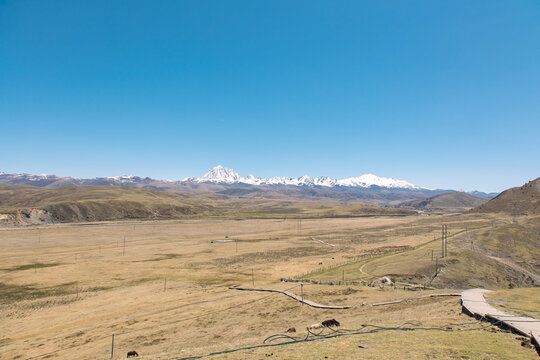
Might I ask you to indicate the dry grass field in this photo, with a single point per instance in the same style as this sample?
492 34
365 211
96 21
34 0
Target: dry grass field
518 301
65 289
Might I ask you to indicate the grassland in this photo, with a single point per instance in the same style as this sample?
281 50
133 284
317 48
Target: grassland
23 204
457 202
478 256
517 301
67 288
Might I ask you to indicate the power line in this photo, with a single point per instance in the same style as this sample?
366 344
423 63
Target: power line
162 324
333 334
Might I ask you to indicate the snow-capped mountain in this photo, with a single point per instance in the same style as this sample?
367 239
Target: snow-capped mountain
220 178
368 180
222 175
44 180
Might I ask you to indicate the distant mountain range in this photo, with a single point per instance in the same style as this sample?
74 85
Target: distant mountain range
228 182
222 175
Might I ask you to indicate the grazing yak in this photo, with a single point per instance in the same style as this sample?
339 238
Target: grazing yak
132 354
316 326
330 323
291 330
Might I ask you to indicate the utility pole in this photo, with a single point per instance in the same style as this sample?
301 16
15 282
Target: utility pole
112 346
445 240
442 242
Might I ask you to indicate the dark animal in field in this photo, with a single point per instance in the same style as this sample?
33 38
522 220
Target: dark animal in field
132 354
330 323
290 330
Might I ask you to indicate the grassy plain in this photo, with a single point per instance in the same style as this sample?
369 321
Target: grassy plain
66 289
517 301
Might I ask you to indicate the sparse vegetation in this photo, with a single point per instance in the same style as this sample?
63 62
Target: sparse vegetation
23 205
167 294
518 301
34 266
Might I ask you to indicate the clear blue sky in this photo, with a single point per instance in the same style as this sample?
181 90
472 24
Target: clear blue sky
444 94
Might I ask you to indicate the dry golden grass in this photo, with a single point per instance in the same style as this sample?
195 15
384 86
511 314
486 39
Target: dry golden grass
83 290
517 301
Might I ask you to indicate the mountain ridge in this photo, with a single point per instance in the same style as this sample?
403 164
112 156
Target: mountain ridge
225 177
220 174
524 200
451 201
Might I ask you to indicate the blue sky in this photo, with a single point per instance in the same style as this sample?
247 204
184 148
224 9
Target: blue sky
444 94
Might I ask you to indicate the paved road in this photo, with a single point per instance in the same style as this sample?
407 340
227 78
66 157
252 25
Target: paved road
474 302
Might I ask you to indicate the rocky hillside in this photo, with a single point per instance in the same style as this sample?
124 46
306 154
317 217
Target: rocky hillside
526 198
452 202
23 204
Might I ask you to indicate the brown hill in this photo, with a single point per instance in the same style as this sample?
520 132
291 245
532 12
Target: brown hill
526 198
24 204
451 201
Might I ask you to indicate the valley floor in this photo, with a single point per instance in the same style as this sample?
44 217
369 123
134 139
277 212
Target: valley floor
162 289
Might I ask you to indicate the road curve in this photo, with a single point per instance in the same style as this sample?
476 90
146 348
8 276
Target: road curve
295 297
474 303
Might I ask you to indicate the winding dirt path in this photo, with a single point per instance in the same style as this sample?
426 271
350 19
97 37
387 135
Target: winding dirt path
295 297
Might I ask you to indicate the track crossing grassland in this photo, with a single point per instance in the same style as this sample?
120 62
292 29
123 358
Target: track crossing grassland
353 268
295 297
105 291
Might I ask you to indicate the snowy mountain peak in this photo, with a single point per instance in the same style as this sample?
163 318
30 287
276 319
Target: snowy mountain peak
368 180
223 175
220 174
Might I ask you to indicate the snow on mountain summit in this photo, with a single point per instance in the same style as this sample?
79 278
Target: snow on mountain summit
368 180
223 175
220 174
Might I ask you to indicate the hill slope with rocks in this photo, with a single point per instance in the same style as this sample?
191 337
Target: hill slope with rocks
452 201
526 198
